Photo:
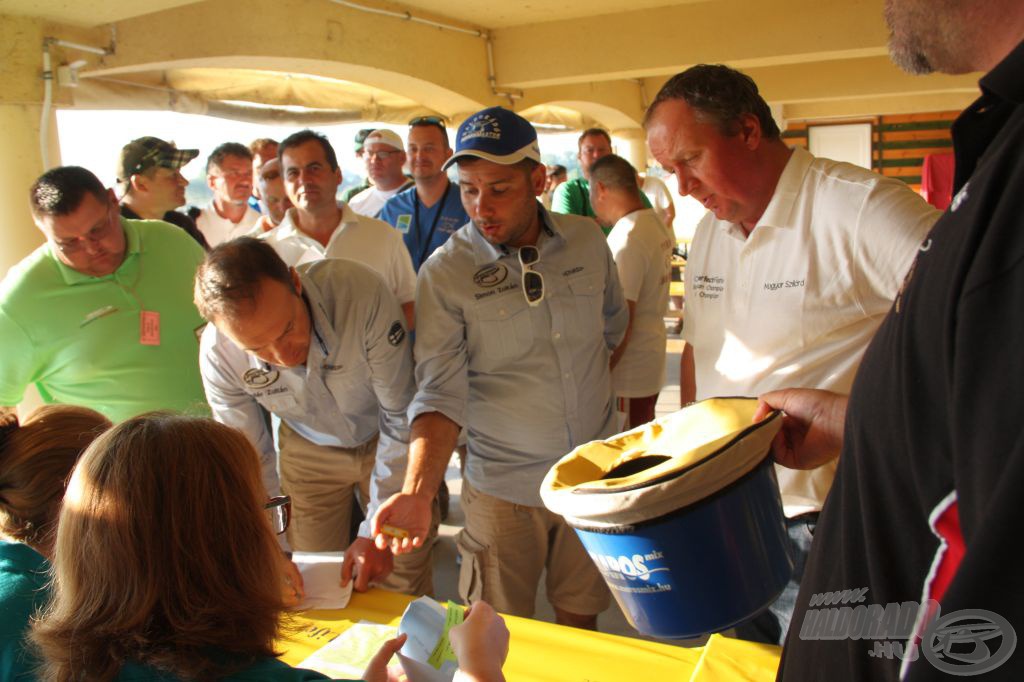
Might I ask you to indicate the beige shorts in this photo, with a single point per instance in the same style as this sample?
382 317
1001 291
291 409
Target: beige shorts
506 546
321 481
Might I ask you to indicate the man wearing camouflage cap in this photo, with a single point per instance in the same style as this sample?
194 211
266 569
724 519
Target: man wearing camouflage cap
151 184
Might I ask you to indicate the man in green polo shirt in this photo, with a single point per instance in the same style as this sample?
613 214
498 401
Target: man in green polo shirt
573 197
101 315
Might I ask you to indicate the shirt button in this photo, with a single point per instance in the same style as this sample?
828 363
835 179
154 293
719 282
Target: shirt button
565 376
558 335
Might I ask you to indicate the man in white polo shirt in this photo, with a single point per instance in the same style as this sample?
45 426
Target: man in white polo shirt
642 248
789 278
320 226
385 157
228 214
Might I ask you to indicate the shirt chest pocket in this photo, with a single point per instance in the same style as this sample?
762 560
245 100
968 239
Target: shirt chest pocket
282 404
504 329
588 302
348 385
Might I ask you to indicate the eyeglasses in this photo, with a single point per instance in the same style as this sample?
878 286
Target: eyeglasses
533 281
383 155
279 511
427 121
97 234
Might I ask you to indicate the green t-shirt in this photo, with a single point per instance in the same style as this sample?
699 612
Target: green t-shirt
22 593
573 196
79 338
352 191
266 670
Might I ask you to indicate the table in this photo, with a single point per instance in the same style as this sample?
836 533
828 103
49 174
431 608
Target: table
543 651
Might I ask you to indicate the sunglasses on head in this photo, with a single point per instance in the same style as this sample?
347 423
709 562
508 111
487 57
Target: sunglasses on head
427 121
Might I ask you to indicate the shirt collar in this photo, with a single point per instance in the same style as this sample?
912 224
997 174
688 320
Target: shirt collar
322 336
133 246
1005 80
289 226
780 208
485 252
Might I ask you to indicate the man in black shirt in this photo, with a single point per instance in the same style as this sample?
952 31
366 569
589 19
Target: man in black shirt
151 184
911 574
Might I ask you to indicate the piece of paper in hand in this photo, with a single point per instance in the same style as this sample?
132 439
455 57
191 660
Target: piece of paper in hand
424 622
321 578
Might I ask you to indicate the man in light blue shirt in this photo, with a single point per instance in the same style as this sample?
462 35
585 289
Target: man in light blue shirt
429 213
517 315
324 349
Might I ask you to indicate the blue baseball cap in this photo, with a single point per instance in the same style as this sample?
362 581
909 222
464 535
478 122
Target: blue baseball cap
497 135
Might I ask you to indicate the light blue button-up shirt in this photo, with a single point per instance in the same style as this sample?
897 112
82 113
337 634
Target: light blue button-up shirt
357 380
528 383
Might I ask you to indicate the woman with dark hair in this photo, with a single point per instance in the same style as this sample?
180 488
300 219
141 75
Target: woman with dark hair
166 566
36 460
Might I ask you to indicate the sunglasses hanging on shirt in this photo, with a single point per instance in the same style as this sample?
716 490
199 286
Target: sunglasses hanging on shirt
533 281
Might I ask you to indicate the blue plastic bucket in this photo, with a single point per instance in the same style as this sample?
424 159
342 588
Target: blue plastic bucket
702 567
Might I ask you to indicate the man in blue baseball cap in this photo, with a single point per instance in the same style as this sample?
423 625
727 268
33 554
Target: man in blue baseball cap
517 315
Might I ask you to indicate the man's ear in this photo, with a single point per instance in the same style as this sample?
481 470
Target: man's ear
750 130
296 282
538 177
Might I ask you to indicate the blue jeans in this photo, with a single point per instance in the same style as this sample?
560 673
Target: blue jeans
770 625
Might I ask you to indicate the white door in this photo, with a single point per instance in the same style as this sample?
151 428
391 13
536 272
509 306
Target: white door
848 142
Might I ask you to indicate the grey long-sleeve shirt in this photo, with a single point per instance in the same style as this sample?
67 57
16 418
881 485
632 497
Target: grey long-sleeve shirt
357 380
528 383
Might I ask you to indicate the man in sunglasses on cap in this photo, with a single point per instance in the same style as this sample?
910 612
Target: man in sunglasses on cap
517 313
429 213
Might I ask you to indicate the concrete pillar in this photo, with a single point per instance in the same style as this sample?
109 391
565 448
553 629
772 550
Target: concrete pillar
631 144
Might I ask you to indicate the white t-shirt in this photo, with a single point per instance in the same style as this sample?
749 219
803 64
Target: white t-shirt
371 200
217 229
642 248
369 241
796 303
659 196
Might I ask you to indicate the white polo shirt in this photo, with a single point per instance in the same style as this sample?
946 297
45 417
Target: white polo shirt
371 200
642 248
369 241
217 229
796 303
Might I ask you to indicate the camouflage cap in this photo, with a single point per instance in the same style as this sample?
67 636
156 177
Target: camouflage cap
146 152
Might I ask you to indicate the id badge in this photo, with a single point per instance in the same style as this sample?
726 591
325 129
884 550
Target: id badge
149 328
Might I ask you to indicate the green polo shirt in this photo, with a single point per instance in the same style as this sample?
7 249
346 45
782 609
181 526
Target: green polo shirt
573 197
78 338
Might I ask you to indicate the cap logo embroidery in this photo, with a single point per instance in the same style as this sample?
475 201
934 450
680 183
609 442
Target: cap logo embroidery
482 125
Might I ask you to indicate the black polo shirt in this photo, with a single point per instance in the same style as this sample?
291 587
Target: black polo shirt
174 218
928 502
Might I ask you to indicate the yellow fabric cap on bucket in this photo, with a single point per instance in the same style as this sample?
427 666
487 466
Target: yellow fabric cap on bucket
671 462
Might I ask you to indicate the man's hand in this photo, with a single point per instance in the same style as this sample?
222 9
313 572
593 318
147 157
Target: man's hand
293 589
411 513
480 644
812 427
369 563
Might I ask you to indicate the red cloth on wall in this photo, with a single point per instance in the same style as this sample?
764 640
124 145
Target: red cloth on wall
937 180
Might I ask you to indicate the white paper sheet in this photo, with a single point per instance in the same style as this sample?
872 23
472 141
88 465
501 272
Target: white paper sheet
347 655
321 577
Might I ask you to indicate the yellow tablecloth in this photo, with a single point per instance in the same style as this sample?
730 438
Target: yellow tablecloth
543 651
